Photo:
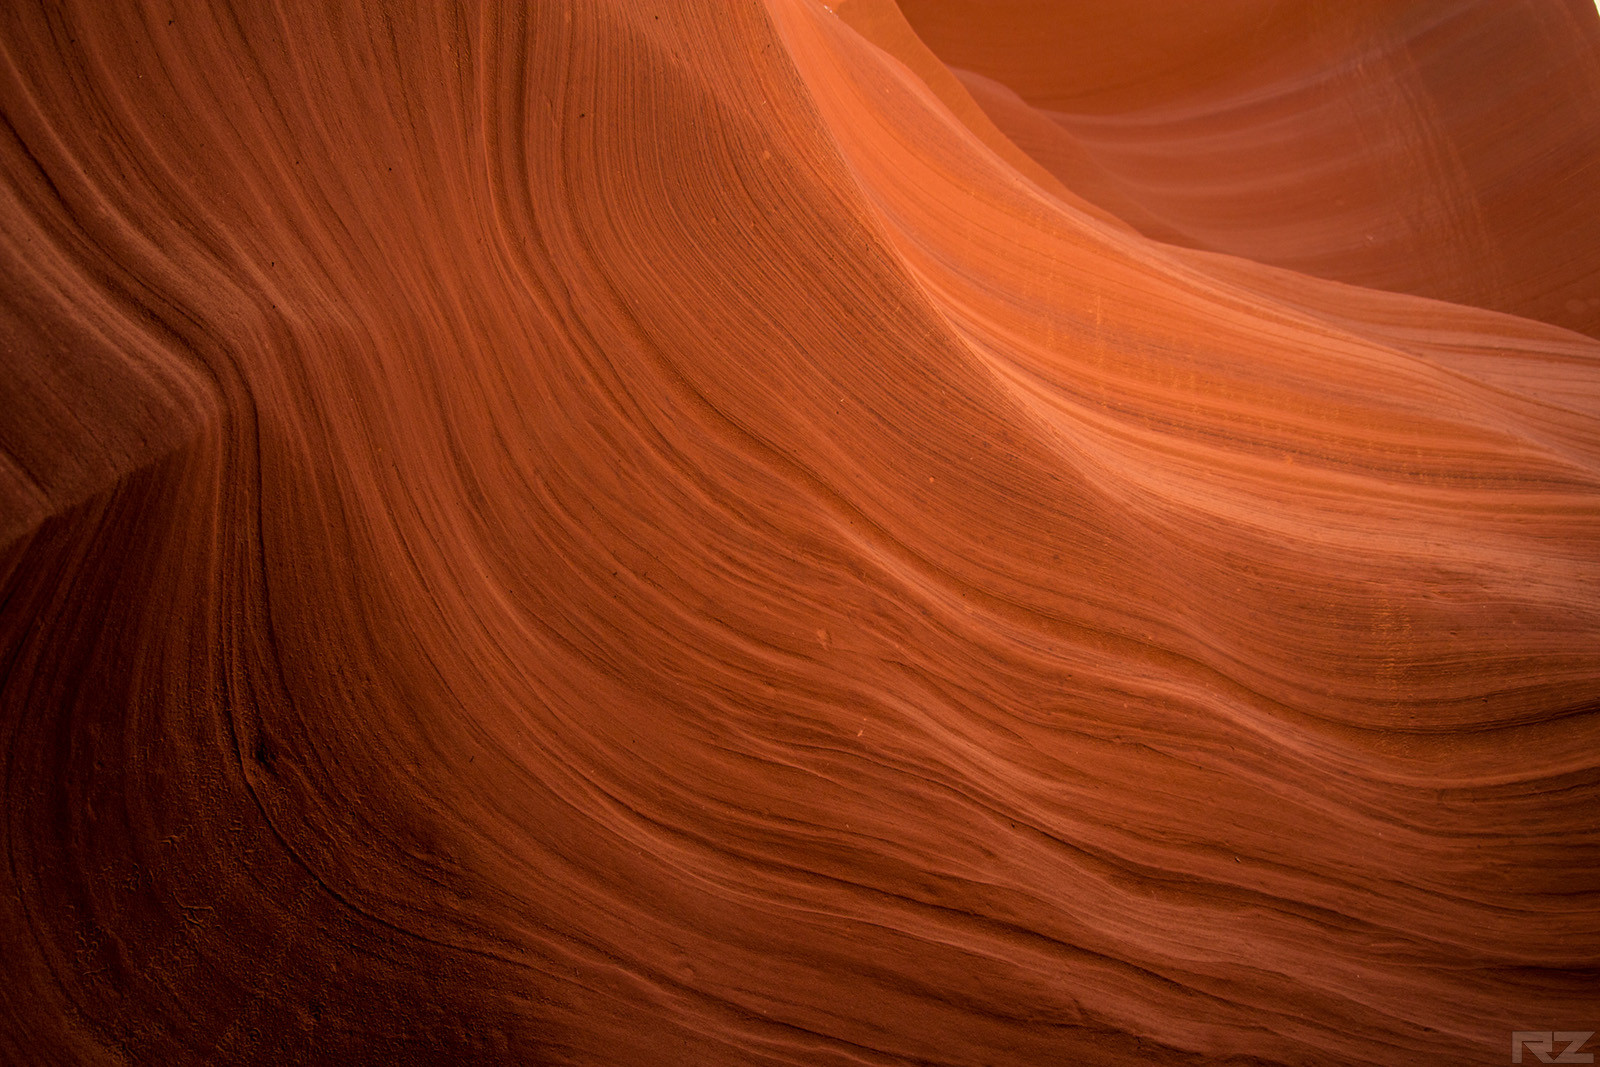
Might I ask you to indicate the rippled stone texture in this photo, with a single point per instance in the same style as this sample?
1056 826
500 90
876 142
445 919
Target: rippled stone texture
624 532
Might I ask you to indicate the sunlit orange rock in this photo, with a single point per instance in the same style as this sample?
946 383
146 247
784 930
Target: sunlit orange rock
624 532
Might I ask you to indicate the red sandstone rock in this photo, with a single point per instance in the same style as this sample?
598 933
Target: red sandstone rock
621 533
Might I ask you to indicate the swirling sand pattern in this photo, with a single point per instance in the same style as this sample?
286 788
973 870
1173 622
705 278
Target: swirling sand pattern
624 532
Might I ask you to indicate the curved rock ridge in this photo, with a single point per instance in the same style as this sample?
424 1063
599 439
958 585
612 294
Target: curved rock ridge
1445 148
627 532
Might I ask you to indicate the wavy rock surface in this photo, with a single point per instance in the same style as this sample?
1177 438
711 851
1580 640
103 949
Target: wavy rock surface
624 532
1445 148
